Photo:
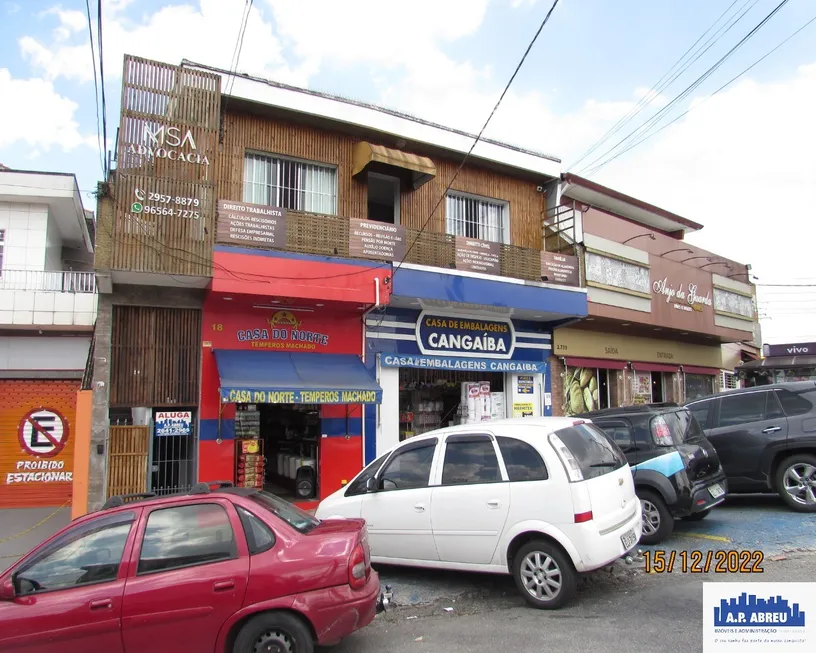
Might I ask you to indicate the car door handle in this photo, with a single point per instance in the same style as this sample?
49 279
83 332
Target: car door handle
420 507
101 604
493 503
223 585
772 429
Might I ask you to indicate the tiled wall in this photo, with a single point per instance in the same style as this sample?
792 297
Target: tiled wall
47 308
26 227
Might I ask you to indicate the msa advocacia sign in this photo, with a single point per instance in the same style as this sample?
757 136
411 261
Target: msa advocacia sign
470 337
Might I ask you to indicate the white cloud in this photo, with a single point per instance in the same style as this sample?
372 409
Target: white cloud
205 33
38 117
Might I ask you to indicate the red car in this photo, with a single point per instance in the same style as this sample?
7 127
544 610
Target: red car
222 569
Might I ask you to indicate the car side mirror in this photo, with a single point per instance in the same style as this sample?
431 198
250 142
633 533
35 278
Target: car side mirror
371 484
7 592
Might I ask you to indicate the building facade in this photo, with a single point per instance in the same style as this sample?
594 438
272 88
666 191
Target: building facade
780 363
47 312
660 311
286 277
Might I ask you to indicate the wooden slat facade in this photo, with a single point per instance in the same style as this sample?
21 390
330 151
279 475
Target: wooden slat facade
157 100
244 133
156 355
128 449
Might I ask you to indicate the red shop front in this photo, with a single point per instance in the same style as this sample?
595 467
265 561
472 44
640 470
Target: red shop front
283 389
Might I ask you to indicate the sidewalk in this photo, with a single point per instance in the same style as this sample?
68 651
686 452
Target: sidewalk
21 530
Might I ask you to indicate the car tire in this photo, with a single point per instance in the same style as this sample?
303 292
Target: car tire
281 630
540 564
658 522
698 516
793 492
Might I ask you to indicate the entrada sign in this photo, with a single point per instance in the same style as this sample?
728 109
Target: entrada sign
473 337
165 142
686 300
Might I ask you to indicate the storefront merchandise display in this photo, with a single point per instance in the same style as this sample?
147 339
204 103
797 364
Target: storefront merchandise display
580 390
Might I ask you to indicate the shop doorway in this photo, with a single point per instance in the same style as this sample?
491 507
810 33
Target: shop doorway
432 399
286 458
658 387
383 198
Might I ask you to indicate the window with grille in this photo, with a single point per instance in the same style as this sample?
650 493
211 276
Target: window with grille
729 381
477 217
290 184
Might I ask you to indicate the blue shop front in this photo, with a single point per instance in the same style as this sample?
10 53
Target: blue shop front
455 348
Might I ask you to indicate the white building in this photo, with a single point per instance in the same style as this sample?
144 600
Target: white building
47 313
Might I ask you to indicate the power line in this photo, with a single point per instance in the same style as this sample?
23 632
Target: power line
721 88
102 85
593 168
239 46
660 86
478 137
96 87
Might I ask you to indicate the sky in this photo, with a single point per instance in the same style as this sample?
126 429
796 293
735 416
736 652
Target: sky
740 161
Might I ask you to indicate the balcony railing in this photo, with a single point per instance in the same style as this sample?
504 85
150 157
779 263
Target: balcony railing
39 280
328 235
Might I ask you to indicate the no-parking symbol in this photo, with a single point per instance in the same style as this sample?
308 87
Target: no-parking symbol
43 432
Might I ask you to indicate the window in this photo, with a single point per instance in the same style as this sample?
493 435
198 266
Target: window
88 555
259 537
470 459
729 381
410 468
298 519
699 386
772 408
701 411
186 536
522 461
742 409
592 449
619 430
289 184
678 426
358 485
475 217
794 403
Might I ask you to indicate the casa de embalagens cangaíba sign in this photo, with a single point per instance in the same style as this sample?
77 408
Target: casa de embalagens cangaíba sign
463 336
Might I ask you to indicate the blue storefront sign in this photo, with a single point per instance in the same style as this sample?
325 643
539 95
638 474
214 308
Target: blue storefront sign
173 422
462 364
466 337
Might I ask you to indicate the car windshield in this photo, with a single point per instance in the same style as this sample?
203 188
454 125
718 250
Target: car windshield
593 450
682 426
298 519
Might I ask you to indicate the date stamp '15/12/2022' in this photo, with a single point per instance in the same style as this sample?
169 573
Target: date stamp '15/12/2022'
704 562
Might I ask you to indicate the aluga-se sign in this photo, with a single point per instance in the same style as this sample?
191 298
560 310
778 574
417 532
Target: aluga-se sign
165 142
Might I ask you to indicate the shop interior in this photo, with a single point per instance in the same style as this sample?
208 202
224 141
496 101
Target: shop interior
432 399
277 449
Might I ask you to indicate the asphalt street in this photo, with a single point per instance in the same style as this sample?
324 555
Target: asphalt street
626 611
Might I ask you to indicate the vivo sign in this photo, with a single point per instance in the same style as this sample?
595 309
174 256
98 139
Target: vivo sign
800 349
163 142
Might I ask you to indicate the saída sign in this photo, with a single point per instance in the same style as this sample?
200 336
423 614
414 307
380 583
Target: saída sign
474 337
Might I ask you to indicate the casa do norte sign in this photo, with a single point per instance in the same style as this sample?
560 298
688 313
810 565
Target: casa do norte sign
472 337
285 332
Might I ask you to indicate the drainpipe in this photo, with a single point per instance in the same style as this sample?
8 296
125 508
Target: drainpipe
365 328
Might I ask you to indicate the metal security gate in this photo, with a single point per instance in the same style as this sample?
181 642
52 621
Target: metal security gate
172 461
127 459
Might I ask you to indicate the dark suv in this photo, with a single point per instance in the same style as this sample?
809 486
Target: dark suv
676 470
766 439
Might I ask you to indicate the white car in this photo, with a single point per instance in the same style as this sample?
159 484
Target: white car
539 498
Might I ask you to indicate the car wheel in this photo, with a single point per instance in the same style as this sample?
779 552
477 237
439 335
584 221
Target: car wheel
697 516
796 482
274 632
658 522
544 575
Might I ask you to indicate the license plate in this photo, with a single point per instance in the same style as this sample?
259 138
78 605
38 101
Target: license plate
716 490
628 539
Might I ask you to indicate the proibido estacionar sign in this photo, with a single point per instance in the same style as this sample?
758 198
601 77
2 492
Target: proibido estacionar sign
456 335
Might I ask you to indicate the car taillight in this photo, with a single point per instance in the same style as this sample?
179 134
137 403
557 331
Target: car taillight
661 432
567 459
358 568
583 517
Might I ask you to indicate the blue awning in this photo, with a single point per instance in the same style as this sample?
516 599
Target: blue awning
276 377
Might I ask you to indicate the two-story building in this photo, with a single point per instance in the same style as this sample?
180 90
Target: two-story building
667 321
47 314
293 282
